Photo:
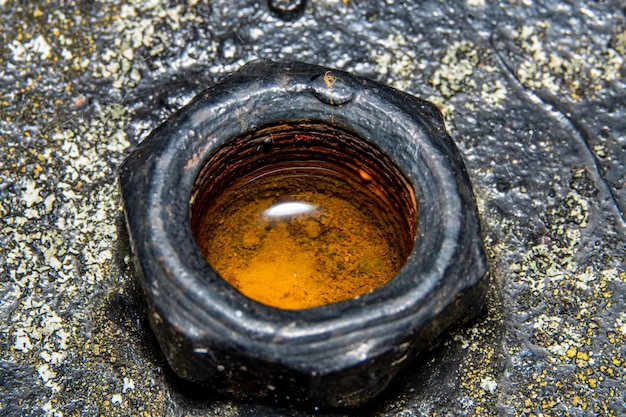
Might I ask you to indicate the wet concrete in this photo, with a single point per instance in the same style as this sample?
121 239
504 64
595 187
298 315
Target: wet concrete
533 94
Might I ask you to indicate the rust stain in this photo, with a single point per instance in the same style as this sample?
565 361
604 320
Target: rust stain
329 80
196 157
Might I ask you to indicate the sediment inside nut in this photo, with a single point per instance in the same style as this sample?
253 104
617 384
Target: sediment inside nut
303 214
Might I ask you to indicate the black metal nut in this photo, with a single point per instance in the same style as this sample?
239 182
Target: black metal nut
340 354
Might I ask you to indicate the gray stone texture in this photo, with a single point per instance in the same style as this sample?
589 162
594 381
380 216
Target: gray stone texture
533 93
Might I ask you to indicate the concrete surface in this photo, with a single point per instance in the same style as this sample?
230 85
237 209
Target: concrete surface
533 93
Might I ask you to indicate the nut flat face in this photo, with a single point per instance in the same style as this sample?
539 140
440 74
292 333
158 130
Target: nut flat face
340 354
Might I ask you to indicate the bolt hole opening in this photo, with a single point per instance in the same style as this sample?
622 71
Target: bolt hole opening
302 214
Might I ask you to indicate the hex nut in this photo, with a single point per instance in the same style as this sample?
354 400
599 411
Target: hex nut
341 354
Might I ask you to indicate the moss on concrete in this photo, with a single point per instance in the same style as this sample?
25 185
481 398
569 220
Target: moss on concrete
83 82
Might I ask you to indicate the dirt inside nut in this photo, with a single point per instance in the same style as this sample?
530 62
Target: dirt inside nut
304 245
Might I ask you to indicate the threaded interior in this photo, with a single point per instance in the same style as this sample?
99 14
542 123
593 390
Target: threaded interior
301 214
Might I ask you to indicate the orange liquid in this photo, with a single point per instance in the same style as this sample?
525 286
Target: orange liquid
299 241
